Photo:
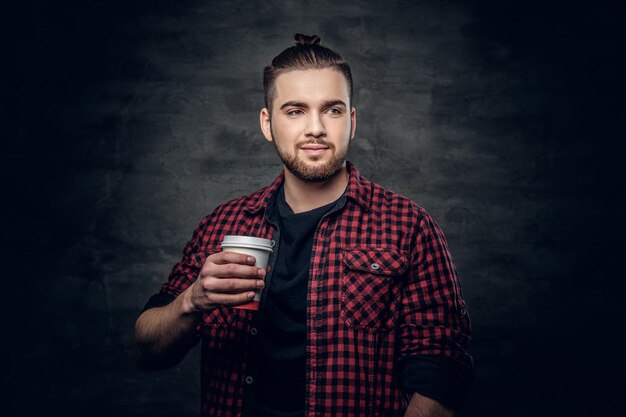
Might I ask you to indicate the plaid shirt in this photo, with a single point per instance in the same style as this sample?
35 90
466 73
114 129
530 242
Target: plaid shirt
382 288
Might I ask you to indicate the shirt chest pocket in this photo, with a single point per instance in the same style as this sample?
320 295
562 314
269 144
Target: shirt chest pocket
371 287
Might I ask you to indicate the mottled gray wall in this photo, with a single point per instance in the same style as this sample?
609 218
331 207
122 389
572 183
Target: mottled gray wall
129 121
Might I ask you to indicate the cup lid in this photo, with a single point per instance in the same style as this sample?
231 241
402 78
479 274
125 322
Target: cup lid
248 241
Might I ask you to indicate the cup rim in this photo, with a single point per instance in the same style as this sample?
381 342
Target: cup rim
243 245
247 242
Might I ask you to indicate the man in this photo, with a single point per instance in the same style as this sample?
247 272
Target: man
361 311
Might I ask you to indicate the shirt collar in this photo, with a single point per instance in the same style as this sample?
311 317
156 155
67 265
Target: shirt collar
359 189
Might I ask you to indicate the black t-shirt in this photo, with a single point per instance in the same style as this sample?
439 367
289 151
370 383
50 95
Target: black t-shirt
282 336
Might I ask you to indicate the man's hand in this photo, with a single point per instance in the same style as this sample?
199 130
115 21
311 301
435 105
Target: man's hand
163 335
422 406
226 278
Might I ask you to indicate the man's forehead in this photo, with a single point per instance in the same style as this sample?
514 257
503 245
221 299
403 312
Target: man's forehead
311 85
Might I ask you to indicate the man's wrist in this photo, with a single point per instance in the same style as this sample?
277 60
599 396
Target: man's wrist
187 306
422 406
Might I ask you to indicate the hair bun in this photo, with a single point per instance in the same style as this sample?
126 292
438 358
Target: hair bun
307 40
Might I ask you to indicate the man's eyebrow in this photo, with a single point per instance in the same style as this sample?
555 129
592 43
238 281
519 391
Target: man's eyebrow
335 103
329 103
293 104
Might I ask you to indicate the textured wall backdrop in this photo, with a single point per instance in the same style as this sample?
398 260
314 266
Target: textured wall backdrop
129 121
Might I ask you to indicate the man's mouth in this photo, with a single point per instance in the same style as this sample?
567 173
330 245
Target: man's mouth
314 149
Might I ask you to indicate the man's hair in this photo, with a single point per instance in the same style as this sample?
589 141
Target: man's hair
306 54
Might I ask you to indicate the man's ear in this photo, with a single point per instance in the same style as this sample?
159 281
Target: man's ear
353 122
266 124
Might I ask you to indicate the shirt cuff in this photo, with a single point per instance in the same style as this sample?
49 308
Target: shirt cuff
158 300
442 379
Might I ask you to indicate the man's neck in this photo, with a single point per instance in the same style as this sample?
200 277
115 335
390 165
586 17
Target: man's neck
302 196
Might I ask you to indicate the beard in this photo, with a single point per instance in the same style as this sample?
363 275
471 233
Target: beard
313 174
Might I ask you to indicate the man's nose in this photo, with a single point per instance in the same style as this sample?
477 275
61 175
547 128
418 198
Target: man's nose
315 126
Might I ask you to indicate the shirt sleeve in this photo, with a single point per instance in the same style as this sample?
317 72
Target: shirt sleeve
185 272
434 322
437 377
158 300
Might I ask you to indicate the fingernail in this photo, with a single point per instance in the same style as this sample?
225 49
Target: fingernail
260 283
250 295
250 260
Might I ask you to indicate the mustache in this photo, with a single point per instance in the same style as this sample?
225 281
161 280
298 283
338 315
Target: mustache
315 142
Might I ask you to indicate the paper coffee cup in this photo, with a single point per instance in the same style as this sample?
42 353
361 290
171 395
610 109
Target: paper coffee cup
254 246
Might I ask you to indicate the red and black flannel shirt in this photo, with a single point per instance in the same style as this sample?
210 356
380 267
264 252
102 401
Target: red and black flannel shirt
382 288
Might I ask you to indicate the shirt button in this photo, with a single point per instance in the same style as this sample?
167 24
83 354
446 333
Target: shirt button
273 242
463 311
253 331
375 266
249 380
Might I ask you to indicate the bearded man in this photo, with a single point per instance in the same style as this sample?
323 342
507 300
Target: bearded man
361 310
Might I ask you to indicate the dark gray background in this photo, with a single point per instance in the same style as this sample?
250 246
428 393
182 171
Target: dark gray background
126 122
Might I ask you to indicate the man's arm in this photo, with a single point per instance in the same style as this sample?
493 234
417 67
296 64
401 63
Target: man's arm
164 335
421 406
434 325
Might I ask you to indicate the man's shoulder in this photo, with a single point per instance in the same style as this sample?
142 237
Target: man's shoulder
384 198
232 211
391 207
249 201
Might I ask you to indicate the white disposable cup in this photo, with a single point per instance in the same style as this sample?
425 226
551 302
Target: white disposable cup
254 246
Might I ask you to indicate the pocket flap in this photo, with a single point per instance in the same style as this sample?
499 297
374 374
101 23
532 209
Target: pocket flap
376 261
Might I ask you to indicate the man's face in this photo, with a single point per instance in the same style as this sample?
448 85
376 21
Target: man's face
311 123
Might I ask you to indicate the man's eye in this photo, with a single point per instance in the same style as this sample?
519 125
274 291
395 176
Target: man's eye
334 110
294 112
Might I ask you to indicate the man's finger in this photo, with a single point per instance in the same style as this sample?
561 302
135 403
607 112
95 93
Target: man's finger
232 270
231 257
230 299
231 285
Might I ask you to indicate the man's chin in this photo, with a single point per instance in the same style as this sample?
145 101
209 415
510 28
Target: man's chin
314 173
